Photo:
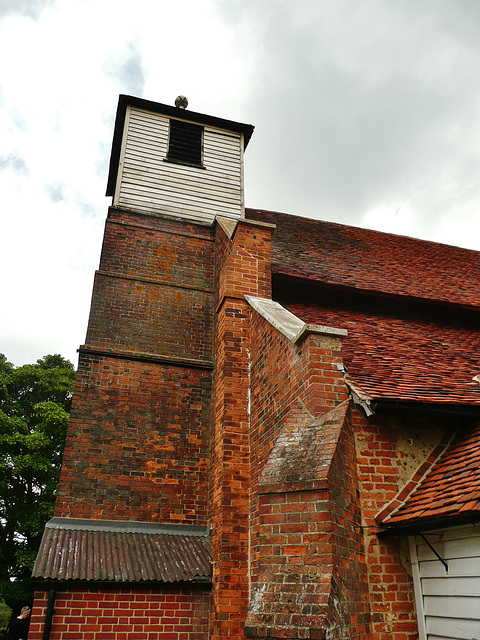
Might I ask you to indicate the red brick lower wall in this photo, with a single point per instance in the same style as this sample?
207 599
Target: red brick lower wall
124 614
138 444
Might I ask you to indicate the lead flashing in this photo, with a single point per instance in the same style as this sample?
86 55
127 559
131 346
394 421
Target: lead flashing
229 225
120 526
287 323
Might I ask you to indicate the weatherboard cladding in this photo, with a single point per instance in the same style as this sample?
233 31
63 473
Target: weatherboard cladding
121 556
147 182
448 602
124 102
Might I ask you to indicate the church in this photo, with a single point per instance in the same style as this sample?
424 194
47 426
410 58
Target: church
275 430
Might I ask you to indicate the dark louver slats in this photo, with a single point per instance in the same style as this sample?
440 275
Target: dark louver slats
185 144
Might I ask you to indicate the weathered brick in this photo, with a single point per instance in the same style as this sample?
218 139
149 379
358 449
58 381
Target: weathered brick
133 620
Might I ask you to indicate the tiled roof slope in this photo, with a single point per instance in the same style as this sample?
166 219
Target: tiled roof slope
370 260
403 357
108 551
450 490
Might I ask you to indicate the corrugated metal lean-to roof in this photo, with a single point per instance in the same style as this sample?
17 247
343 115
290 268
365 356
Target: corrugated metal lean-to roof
122 552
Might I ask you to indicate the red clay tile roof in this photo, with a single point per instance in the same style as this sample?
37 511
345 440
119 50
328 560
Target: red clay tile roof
121 552
370 260
408 351
403 357
401 344
451 489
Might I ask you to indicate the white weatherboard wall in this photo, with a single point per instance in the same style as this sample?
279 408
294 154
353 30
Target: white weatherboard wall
448 602
147 183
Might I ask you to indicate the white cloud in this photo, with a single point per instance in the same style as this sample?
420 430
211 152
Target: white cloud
366 112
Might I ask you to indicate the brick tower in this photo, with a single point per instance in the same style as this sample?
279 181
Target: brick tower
130 537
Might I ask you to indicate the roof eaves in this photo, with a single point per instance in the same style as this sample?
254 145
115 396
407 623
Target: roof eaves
423 526
427 405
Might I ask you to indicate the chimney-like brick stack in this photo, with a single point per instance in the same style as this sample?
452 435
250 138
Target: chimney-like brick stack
307 548
243 268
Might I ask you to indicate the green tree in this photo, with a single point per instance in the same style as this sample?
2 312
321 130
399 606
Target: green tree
35 401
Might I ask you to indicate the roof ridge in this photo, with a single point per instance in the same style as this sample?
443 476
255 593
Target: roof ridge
359 228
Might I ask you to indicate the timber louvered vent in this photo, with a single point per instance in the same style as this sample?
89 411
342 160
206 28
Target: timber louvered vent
185 143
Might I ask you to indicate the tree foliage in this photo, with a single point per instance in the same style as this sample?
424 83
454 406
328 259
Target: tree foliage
34 407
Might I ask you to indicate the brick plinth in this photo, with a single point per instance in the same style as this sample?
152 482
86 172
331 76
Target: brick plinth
110 613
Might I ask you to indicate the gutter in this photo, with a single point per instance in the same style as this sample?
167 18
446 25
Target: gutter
428 525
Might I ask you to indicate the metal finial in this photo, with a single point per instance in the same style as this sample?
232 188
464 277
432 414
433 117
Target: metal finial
181 102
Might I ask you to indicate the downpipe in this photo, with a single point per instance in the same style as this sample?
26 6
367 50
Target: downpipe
49 614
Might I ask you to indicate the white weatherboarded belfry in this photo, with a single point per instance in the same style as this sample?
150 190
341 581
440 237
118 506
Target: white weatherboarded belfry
178 162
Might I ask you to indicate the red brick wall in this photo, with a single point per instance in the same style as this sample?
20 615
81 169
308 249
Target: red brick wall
287 387
243 264
138 443
372 577
350 610
124 614
308 564
153 293
290 382
242 268
389 447
143 317
380 460
151 246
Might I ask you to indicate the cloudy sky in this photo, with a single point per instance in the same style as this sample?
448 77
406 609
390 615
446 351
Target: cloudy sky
366 112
